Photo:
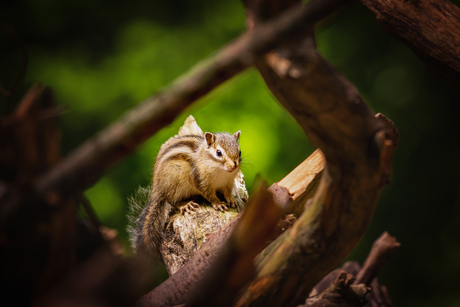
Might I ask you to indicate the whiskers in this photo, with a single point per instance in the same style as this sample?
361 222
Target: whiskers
246 165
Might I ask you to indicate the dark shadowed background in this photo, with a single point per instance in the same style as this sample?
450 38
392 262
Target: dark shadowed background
103 57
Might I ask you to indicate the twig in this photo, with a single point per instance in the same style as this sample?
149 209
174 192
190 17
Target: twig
90 211
30 98
382 249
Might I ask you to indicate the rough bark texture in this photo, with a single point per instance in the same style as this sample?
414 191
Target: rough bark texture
185 234
429 28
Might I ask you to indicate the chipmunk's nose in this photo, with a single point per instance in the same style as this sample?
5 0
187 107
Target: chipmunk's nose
232 168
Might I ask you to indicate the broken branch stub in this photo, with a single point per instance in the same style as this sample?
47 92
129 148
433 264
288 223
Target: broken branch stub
300 184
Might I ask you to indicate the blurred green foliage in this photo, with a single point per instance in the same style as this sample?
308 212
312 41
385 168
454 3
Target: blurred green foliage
103 57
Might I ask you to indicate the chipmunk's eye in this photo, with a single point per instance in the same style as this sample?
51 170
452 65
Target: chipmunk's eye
219 153
240 153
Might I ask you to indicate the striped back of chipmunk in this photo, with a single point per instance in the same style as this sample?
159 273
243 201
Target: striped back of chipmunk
179 147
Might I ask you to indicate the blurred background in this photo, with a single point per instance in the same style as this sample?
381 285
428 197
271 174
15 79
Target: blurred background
103 57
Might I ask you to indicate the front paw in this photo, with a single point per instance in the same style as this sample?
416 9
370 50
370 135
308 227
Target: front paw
189 207
220 206
231 202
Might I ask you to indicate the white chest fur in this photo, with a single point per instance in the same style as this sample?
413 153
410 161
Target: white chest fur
222 178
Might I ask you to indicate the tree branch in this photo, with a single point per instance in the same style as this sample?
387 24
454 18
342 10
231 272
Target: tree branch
382 249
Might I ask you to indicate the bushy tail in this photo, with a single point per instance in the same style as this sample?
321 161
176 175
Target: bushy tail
147 218
137 203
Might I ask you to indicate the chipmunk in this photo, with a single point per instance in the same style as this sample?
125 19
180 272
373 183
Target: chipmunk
187 166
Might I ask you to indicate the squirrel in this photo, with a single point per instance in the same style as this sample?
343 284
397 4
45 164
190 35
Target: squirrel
187 166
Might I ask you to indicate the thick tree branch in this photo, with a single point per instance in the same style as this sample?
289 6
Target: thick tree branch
430 28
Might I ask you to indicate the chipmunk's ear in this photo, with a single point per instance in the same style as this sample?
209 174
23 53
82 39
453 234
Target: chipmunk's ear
210 138
237 134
